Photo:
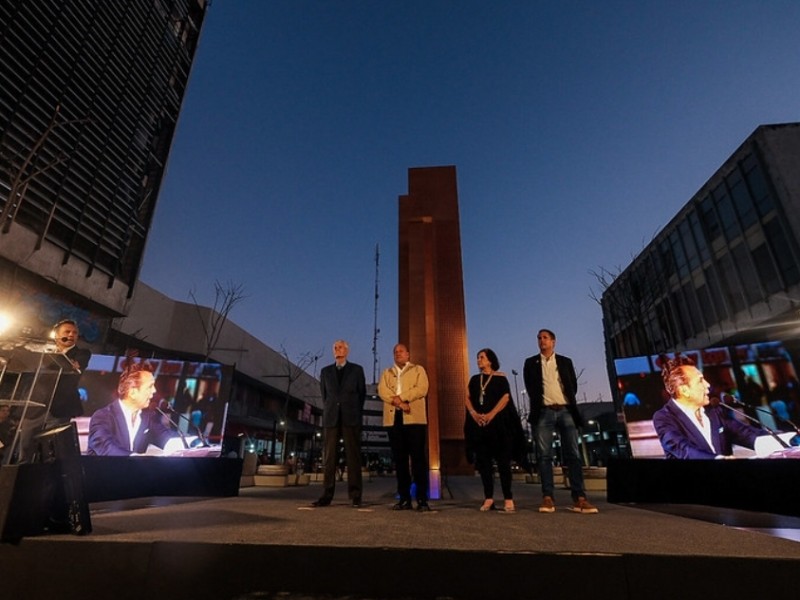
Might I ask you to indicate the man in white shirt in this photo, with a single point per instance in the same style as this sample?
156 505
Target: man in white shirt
403 388
552 385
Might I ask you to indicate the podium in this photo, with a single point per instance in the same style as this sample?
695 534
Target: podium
41 478
29 375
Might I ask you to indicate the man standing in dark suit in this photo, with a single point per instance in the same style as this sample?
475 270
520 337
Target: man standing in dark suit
552 385
66 400
344 390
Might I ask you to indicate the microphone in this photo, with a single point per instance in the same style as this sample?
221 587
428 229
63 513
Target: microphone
728 399
200 435
725 398
729 405
64 340
175 425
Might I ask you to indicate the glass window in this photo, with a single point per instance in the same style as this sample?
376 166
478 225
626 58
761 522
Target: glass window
752 287
699 237
666 322
693 308
678 253
765 267
708 214
715 292
782 251
665 254
727 215
731 286
706 305
741 200
683 322
756 181
692 256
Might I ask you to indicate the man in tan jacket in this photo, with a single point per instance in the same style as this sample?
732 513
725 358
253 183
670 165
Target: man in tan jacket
403 388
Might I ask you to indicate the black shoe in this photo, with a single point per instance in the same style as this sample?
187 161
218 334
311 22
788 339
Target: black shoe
402 505
357 502
422 506
321 502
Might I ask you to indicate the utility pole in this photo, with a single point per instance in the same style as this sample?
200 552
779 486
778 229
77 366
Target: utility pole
375 330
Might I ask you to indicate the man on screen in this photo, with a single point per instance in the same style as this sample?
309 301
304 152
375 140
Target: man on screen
687 426
127 426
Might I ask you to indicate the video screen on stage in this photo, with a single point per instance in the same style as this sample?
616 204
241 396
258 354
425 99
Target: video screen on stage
183 408
752 392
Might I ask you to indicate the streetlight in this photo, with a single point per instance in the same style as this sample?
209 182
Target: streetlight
312 459
599 434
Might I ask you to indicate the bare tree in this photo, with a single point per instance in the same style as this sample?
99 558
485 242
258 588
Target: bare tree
225 298
21 173
293 371
632 298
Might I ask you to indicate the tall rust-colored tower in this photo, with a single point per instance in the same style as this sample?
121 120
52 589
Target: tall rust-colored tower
432 318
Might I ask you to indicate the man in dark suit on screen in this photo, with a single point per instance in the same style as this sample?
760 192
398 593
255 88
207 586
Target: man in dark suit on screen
344 390
688 426
128 426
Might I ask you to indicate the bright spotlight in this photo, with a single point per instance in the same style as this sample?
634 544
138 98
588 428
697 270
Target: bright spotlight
6 321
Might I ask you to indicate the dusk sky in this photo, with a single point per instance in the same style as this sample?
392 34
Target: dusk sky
578 130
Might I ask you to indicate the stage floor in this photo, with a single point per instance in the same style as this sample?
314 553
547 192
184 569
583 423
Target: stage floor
270 540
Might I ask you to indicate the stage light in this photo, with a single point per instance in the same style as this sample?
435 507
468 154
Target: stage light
6 321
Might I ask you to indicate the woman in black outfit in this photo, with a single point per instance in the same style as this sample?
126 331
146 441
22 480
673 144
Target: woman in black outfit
487 429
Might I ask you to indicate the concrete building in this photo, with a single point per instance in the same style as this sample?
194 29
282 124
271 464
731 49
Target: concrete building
726 269
275 406
90 95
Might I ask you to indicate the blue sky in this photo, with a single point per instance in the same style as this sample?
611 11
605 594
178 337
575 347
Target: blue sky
578 129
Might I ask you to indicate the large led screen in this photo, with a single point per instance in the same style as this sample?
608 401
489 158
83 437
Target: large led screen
188 401
758 380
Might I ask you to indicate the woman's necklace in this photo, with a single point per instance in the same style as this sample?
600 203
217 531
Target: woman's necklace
483 387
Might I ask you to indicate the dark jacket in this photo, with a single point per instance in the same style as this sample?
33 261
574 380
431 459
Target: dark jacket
66 400
108 432
342 403
680 438
532 375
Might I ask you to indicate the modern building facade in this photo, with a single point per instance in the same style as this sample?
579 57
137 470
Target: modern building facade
90 94
725 272
432 316
274 404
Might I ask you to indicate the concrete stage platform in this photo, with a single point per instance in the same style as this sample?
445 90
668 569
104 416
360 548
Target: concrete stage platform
269 543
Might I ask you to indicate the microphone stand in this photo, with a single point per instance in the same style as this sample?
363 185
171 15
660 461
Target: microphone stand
756 421
781 419
200 435
175 425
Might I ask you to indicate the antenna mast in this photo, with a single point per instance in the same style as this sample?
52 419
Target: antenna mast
375 330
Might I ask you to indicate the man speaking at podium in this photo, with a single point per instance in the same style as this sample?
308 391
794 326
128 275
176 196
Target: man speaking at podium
66 400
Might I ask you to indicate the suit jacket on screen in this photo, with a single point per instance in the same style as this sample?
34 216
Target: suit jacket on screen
680 438
108 432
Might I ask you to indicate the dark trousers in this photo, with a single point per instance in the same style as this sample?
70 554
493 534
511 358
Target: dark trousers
408 444
352 451
500 451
